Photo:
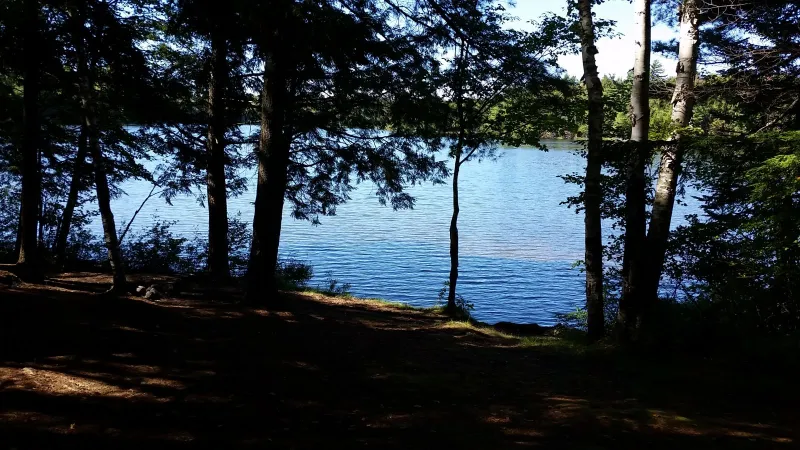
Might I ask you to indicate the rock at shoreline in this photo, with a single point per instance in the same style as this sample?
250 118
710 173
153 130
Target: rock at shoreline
152 293
156 291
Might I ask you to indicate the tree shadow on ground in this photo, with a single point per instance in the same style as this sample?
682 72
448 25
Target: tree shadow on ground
79 370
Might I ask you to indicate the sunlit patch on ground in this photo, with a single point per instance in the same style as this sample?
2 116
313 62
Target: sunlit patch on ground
85 384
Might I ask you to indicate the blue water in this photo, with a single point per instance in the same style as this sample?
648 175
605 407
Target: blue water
517 242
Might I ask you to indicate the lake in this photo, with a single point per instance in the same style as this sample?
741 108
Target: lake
517 242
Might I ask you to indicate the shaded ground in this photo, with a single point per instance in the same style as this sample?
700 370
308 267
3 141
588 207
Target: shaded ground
81 370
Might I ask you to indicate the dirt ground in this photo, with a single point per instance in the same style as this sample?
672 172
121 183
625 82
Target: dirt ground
80 370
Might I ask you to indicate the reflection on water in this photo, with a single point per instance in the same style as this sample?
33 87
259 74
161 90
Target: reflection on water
518 243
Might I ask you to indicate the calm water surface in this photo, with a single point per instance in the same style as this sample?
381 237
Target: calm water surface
518 243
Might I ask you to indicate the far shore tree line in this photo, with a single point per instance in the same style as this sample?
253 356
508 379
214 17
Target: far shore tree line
349 91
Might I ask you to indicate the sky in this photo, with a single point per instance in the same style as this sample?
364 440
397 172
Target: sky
616 55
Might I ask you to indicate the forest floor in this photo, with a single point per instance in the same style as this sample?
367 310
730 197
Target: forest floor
79 370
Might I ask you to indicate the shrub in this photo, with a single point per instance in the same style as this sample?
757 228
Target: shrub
84 250
334 287
463 307
577 319
293 275
158 250
9 217
240 235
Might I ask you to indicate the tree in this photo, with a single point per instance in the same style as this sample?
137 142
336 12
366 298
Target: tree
593 190
86 66
324 109
56 114
78 172
273 156
683 100
759 83
217 193
29 263
206 60
113 88
631 308
487 72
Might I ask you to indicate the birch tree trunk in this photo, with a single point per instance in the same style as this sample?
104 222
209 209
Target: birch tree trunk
630 306
28 257
683 100
593 194
218 266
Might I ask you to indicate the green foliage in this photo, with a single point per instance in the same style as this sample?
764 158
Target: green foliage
741 262
719 117
617 97
334 287
501 85
183 63
577 319
240 234
463 307
557 113
293 275
85 251
9 218
157 250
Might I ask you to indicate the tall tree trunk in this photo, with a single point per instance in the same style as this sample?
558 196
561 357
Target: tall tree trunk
630 306
18 241
215 172
787 229
72 198
273 162
683 100
461 63
593 195
788 257
28 261
453 281
104 203
86 69
40 217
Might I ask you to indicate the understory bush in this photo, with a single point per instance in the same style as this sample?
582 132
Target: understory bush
157 250
9 218
463 307
738 264
334 287
292 274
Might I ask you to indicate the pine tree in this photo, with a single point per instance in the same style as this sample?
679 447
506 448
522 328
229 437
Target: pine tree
29 261
322 111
